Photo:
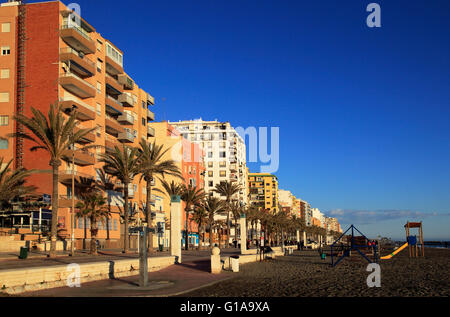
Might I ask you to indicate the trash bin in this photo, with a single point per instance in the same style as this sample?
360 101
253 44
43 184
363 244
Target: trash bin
161 247
23 253
234 263
323 256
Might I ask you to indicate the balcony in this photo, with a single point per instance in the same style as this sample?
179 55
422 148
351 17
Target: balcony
126 81
112 86
126 137
81 157
150 115
113 105
77 85
126 119
77 38
84 111
126 100
112 126
87 138
83 66
112 67
150 131
233 177
150 99
110 143
65 177
65 201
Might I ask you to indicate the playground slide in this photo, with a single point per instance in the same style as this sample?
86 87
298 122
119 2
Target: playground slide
389 256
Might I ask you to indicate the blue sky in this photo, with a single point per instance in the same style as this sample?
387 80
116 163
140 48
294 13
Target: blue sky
363 113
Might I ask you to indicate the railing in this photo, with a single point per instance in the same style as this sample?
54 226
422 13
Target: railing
71 50
77 78
78 29
114 101
77 101
126 117
75 173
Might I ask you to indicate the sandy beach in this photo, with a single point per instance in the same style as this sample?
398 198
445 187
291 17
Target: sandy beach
305 274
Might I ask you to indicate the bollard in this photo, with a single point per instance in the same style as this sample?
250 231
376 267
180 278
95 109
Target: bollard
216 266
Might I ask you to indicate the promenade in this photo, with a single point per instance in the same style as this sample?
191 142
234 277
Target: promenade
191 274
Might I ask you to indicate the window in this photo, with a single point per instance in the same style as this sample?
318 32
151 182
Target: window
4 96
3 144
210 154
223 173
115 225
210 184
99 108
222 154
99 45
99 65
222 164
210 164
210 173
144 106
99 87
6 50
6 27
143 122
4 73
4 120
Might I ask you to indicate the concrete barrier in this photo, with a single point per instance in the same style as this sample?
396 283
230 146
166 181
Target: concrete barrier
248 258
15 281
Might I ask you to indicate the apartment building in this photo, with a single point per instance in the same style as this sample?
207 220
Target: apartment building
305 212
263 191
225 153
189 158
51 55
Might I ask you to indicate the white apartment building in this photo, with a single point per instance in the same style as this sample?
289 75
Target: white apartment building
225 153
285 198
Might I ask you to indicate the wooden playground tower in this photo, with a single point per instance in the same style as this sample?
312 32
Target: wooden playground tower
415 243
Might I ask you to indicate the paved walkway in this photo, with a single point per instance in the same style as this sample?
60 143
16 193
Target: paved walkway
171 281
36 258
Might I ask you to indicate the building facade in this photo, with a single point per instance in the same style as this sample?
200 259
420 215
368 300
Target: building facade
51 55
225 153
263 191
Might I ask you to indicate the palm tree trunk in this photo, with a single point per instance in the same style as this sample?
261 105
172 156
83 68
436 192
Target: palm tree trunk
107 220
93 247
85 232
210 236
228 230
235 230
125 210
186 237
148 216
54 229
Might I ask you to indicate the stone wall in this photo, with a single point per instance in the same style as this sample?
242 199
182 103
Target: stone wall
15 281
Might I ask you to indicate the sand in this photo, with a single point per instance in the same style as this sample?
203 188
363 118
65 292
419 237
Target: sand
305 274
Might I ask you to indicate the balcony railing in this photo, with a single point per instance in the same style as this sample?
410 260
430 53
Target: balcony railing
84 111
77 85
126 118
126 100
76 37
126 137
150 115
150 131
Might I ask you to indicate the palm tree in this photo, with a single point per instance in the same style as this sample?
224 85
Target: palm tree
92 206
200 216
192 196
236 211
12 183
213 206
227 189
105 183
153 165
123 164
53 134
